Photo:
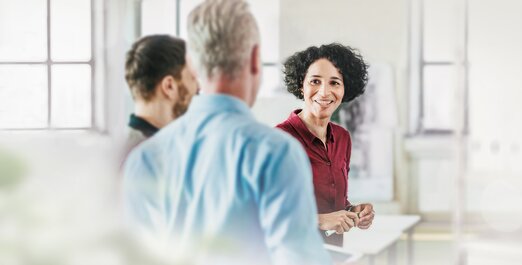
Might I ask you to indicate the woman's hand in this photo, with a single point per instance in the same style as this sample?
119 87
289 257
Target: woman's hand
366 215
340 221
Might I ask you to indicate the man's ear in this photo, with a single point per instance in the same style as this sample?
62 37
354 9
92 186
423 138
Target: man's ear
255 60
169 87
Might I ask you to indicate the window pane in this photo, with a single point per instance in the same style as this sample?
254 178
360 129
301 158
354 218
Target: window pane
71 96
185 7
440 30
158 17
439 97
267 16
271 82
70 30
23 96
23 30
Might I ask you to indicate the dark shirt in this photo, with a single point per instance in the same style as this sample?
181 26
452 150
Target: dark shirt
140 130
330 165
140 124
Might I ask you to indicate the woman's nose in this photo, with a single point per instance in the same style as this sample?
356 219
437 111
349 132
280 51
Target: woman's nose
324 90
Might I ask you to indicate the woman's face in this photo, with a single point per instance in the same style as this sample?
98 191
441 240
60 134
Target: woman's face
323 89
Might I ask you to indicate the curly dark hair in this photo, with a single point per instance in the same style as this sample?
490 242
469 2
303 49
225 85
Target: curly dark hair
150 59
347 60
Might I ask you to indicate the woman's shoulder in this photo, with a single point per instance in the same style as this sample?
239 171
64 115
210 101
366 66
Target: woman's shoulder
338 127
339 130
284 125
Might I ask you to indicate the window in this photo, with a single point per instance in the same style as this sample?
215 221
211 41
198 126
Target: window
489 38
170 16
267 15
435 39
46 64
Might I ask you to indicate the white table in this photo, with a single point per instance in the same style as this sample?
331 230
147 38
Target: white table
341 255
384 233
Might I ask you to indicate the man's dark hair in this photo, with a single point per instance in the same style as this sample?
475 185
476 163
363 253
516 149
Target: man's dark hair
347 60
150 59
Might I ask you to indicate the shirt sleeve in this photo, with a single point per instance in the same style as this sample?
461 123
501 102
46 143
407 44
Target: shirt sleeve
288 212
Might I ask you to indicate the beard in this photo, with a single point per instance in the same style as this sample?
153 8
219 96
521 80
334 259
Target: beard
181 105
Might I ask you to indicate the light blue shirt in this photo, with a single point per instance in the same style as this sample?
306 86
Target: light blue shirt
216 180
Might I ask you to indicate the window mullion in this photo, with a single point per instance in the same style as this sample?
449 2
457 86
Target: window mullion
92 63
420 122
178 19
49 64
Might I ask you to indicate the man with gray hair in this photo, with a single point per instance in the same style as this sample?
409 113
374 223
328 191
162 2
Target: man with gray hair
216 183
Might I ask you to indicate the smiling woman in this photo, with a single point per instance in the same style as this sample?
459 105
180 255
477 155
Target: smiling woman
324 77
323 91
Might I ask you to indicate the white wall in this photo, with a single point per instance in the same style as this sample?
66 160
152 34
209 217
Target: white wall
495 55
275 109
377 28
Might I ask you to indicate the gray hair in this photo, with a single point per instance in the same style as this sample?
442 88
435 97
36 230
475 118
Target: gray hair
221 34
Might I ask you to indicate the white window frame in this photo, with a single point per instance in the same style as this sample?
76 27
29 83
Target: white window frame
49 63
418 63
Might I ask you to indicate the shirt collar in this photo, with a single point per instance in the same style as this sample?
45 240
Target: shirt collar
142 125
217 103
301 128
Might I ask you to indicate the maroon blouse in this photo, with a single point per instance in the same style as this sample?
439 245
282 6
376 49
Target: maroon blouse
330 165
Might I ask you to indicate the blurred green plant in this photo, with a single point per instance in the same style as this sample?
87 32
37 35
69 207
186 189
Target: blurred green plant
12 170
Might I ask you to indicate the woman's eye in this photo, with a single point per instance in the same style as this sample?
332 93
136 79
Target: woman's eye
315 82
334 83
